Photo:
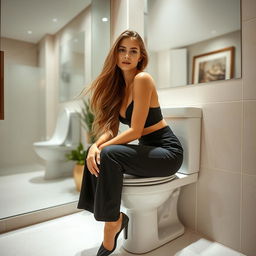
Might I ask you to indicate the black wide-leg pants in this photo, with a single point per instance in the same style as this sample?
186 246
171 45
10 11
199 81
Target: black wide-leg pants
158 154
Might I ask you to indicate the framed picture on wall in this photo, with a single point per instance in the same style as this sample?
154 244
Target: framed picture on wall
213 66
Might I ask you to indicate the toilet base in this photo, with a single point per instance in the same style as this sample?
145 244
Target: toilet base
150 229
58 169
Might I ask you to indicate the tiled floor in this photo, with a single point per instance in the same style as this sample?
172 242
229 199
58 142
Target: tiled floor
80 235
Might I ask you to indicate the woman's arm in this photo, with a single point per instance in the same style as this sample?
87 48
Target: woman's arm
103 138
142 91
93 155
124 137
107 136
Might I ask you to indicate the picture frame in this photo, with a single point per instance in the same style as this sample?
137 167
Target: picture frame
213 66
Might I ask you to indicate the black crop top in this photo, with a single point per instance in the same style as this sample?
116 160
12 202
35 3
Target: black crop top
154 116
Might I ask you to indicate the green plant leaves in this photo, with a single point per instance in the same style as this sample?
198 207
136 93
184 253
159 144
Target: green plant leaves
78 155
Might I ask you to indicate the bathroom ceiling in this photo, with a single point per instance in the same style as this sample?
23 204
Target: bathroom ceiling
20 16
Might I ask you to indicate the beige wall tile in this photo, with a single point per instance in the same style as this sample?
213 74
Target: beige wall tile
187 206
249 138
248 9
221 136
249 59
218 215
248 229
219 91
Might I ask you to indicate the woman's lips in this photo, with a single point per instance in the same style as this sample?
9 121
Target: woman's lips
127 63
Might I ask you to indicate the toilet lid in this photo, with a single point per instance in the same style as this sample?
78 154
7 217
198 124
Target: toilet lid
130 180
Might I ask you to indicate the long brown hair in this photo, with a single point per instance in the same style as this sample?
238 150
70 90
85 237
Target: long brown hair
108 88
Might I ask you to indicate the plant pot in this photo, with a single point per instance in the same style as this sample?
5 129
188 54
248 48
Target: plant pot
78 175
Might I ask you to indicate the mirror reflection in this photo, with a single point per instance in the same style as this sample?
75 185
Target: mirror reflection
47 62
193 41
71 62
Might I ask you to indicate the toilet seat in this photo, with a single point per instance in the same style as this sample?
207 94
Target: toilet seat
135 181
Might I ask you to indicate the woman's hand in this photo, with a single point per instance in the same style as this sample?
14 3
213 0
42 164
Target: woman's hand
100 147
92 157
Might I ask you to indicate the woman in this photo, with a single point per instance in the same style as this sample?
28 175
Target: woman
123 91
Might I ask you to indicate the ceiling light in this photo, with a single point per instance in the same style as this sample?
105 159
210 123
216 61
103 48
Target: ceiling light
29 32
104 19
54 19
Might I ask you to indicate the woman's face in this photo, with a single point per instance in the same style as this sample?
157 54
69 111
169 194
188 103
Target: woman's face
128 54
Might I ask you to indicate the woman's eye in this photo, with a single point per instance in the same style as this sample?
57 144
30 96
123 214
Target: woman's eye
121 50
134 52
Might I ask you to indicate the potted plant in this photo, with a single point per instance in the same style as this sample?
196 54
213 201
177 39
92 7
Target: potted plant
79 154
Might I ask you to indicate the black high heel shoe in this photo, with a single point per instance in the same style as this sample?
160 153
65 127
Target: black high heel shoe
102 250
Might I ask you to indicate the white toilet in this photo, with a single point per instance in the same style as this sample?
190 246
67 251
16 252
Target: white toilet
151 203
66 137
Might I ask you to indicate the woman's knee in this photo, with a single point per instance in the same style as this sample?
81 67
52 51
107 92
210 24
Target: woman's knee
109 151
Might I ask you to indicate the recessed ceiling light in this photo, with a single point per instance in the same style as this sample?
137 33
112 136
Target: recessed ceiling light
104 19
29 32
54 19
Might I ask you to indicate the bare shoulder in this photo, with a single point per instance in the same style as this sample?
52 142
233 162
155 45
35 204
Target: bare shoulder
144 78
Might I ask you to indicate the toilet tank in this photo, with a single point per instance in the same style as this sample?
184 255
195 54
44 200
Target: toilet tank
185 123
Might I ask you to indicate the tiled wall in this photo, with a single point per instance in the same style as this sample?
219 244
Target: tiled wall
248 151
222 205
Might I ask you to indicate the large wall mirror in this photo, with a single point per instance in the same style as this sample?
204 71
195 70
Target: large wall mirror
51 52
193 41
73 56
